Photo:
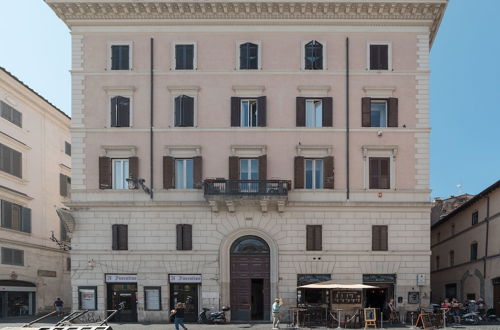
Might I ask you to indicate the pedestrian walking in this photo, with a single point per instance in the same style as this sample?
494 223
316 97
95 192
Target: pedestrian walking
58 304
276 313
179 315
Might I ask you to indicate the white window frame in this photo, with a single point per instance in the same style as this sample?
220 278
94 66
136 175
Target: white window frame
191 91
126 175
314 160
303 54
184 177
386 111
379 151
126 91
259 54
389 54
257 114
130 45
195 55
315 115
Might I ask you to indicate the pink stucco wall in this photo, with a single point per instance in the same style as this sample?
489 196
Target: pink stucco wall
280 75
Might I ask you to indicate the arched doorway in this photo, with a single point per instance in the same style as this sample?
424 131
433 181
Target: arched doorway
250 279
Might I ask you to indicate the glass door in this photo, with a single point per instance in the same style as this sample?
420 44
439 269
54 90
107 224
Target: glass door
186 293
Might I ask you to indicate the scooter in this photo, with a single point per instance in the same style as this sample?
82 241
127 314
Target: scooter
471 318
214 317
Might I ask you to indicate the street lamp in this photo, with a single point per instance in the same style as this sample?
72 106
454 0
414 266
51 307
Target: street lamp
134 183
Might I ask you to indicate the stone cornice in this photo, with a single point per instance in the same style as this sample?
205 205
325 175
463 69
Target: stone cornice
360 12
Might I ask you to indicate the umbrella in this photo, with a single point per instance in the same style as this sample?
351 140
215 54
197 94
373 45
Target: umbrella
331 285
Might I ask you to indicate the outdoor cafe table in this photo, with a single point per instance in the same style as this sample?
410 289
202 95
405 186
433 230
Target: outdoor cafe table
295 315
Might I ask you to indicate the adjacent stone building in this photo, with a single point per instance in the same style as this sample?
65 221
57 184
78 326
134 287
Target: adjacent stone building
35 172
225 153
466 250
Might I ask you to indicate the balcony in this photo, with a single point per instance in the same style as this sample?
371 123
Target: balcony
232 192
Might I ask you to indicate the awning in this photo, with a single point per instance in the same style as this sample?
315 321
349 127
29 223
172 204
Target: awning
333 285
67 219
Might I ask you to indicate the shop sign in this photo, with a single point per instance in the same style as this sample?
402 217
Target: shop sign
121 278
496 281
379 278
304 279
196 278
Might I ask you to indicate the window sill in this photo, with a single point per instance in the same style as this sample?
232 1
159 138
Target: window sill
14 178
16 231
119 70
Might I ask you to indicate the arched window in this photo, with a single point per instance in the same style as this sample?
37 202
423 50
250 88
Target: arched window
249 56
249 245
313 56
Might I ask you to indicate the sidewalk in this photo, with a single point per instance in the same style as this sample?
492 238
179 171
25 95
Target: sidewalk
141 326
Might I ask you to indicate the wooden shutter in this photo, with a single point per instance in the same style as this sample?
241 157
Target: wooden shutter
17 164
253 56
392 109
188 111
318 238
63 187
114 234
299 172
115 57
384 176
178 111
379 238
235 112
122 237
263 167
374 172
300 111
178 230
197 172
383 238
187 237
328 180
383 57
133 168
366 109
189 57
168 172
26 220
105 178
309 238
244 56
327 107
6 214
262 111
234 168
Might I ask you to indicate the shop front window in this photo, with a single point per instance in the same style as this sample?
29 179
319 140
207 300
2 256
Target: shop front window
312 297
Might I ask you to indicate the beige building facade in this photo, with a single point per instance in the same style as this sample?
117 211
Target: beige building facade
466 251
268 144
35 172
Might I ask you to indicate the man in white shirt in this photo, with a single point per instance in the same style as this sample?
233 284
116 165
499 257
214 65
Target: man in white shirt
276 313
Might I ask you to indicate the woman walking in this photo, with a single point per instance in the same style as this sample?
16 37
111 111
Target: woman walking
179 315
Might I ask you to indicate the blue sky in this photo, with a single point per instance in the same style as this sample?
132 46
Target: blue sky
465 83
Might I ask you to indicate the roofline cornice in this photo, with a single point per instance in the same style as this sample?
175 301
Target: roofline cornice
335 12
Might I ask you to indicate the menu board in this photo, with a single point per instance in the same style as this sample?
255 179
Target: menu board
152 299
346 297
87 299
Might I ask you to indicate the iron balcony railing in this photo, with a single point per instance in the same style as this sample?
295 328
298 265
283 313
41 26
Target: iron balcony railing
221 187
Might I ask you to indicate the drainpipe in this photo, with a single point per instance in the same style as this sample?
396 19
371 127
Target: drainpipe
347 115
487 235
151 154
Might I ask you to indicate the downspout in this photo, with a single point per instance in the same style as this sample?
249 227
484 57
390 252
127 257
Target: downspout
487 234
151 152
347 115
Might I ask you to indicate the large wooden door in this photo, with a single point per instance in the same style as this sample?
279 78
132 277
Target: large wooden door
250 263
496 299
